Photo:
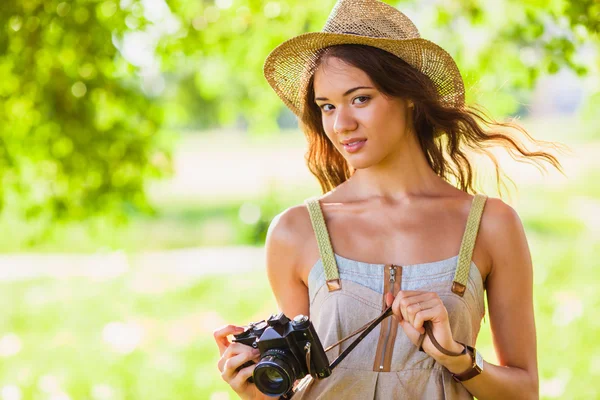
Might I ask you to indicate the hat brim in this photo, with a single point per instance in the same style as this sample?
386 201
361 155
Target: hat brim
286 67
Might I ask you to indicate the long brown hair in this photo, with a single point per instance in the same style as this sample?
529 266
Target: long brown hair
443 133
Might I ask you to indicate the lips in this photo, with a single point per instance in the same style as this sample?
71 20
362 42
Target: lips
353 145
352 140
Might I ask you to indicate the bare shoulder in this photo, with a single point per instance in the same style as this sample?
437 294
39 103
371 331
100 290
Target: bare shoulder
290 229
502 231
499 218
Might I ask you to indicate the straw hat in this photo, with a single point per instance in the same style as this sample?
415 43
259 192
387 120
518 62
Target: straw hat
368 22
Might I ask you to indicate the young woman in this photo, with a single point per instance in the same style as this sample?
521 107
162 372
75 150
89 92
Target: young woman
399 224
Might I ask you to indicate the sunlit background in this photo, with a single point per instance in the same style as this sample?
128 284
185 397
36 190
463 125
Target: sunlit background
143 156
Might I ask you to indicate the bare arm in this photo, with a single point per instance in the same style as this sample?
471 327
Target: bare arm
510 301
284 244
283 247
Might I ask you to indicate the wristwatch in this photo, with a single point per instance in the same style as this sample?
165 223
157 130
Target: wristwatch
475 369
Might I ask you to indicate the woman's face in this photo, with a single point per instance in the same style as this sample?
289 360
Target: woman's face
364 125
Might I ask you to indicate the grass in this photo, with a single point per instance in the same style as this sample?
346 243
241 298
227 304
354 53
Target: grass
85 338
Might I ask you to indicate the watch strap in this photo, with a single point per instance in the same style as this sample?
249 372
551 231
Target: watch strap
476 367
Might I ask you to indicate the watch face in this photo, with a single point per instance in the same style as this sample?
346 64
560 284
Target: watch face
478 360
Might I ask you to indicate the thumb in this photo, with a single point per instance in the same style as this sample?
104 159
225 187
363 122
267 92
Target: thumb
389 299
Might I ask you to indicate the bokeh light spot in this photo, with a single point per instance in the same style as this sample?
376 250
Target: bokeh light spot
224 4
272 9
11 392
211 14
10 344
79 89
63 9
15 23
249 213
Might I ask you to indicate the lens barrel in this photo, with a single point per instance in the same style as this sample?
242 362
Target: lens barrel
276 372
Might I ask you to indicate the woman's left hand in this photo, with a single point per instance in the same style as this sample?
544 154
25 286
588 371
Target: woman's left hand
412 309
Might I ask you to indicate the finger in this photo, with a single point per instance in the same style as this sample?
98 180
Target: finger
230 366
410 293
233 350
401 303
435 313
418 306
424 315
389 299
241 379
410 331
396 309
221 334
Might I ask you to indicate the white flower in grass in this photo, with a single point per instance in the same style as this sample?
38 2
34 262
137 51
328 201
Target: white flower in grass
10 392
123 337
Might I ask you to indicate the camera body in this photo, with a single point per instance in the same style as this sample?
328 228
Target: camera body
289 350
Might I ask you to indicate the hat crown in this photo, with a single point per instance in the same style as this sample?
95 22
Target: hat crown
370 18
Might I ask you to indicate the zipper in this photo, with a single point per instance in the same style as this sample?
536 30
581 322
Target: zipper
389 327
392 281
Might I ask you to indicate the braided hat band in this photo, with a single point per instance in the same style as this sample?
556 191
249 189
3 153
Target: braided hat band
368 22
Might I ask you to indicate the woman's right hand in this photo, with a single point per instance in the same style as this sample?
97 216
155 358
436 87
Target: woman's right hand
232 356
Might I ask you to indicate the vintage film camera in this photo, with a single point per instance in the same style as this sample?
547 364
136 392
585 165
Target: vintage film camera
289 350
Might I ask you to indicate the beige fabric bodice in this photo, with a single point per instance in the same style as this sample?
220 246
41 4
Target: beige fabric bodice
345 294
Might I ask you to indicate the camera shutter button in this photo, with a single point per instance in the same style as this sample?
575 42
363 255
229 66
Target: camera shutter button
300 320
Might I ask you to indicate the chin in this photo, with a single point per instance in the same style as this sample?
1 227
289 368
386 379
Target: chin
366 160
360 163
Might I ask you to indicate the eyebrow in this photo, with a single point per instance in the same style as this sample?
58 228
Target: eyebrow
347 92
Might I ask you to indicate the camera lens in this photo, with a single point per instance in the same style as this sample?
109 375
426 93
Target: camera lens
275 373
273 377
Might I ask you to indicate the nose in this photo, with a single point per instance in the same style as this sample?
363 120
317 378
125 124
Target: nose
344 121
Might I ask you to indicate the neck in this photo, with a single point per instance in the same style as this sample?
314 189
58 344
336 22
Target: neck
402 175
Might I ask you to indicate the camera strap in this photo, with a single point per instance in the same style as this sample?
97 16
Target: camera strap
367 328
429 332
365 331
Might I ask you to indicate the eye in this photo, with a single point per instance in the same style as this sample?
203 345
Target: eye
322 107
362 97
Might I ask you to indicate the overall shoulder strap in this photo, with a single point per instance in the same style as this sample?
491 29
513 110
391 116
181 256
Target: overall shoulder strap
461 275
332 276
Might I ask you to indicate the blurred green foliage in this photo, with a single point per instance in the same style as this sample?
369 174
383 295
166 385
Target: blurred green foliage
501 47
90 87
77 135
